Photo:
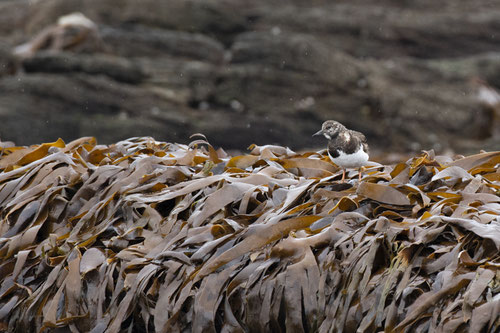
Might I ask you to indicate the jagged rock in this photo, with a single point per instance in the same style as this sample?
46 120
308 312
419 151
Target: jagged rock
264 72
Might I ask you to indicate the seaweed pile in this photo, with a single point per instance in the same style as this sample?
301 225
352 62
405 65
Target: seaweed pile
149 236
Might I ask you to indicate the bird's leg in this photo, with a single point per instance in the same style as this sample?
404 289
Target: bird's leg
343 175
360 171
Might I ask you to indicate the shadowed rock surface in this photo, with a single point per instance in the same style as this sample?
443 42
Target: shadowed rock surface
255 73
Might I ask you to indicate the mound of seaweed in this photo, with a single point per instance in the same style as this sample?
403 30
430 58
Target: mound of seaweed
149 236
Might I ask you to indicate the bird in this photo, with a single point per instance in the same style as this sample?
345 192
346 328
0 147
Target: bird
346 148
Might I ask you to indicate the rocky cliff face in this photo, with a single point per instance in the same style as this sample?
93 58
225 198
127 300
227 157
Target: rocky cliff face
409 75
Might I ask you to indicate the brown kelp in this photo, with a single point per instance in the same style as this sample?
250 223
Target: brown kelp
160 237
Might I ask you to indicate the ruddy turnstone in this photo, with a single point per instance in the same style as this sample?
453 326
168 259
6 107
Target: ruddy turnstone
346 148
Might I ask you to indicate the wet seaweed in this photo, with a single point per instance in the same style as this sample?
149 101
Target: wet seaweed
151 236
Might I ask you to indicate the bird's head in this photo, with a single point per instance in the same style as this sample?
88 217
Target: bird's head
330 129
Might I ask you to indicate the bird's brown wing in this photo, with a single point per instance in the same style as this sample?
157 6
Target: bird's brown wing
362 139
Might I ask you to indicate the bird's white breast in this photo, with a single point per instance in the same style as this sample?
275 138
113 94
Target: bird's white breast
355 160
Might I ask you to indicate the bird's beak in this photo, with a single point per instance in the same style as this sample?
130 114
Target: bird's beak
320 132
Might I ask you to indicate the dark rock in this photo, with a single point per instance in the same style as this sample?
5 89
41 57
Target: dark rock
8 64
260 72
13 17
389 29
124 110
483 66
146 42
119 69
220 18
